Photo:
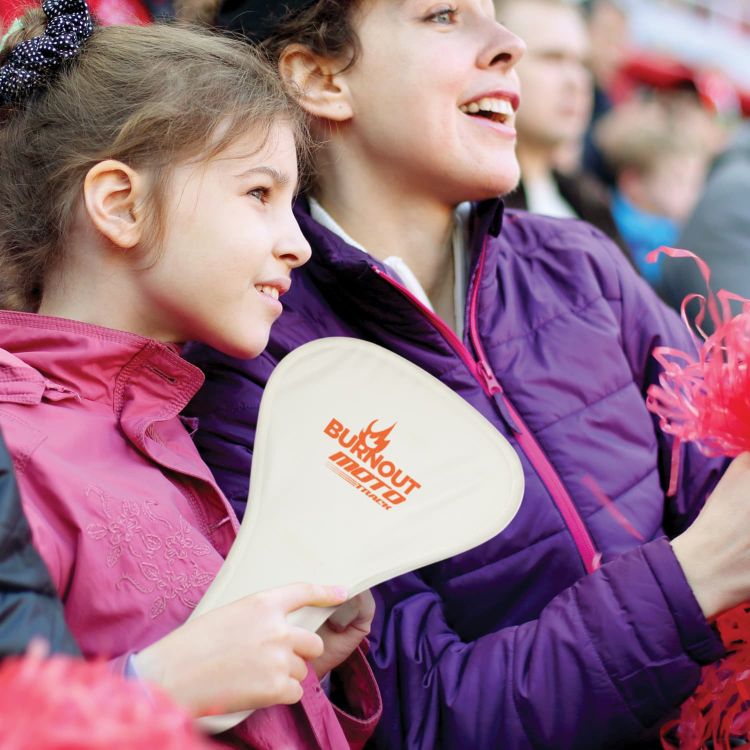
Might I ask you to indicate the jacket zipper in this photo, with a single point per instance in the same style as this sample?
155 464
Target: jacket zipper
482 371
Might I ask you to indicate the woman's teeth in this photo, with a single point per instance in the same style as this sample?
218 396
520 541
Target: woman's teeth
271 291
496 109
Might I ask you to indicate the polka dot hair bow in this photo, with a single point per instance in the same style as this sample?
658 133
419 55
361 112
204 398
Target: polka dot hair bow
31 64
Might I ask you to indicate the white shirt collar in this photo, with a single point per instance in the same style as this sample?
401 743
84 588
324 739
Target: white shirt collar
401 270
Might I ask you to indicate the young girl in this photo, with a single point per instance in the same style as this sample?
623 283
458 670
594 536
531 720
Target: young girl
580 626
146 181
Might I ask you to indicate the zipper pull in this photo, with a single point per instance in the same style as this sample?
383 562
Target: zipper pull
488 378
493 387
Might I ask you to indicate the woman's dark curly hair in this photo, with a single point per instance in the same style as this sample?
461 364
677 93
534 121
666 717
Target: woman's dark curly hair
325 27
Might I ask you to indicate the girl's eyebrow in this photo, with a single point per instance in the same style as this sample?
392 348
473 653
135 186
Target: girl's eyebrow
279 178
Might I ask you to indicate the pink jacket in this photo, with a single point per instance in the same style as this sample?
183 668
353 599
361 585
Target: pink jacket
126 515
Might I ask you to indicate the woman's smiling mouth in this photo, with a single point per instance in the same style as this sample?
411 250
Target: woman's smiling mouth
493 108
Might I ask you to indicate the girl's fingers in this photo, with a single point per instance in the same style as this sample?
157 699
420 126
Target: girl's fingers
344 615
298 668
306 645
358 611
298 595
292 693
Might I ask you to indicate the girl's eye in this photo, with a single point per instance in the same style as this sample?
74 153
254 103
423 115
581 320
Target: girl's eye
444 16
260 193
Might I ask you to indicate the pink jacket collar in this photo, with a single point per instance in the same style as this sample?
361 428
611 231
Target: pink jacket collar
55 358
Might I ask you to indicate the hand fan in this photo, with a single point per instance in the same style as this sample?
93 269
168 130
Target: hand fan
365 467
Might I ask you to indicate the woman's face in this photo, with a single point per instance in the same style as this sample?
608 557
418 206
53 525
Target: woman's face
434 94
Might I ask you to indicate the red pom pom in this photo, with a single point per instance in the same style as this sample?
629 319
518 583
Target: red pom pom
717 714
61 703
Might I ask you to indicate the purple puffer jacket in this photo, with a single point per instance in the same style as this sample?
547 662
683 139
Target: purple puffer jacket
521 642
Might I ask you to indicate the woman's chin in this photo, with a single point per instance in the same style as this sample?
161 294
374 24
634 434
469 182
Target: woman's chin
491 183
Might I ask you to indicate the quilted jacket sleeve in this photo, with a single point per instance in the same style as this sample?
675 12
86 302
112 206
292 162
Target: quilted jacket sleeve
585 674
29 606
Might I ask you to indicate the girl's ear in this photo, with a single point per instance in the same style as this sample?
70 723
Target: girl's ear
114 194
319 83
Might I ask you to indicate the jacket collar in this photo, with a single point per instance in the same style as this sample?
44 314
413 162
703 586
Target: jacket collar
335 254
54 358
354 283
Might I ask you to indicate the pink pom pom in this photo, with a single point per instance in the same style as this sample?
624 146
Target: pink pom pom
706 399
61 703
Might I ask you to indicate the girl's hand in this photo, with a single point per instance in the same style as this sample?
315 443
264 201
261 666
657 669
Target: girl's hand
241 656
344 631
715 551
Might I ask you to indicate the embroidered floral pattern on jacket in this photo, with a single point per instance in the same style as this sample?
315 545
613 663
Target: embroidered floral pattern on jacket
167 566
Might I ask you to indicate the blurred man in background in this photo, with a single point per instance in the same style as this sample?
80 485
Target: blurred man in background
556 100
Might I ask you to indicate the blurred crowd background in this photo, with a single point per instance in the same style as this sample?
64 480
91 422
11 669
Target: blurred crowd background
635 117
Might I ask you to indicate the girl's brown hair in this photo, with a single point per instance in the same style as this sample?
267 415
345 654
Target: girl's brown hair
151 97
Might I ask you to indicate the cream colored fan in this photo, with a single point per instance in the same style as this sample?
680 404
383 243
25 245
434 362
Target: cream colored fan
365 467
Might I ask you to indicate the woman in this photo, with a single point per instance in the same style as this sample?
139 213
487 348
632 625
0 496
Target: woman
542 326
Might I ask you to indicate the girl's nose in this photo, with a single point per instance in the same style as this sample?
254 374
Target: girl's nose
292 247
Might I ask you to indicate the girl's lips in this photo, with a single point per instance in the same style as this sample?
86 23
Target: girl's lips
276 287
271 300
271 290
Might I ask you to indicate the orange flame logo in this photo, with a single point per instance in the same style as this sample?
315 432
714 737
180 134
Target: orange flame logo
372 442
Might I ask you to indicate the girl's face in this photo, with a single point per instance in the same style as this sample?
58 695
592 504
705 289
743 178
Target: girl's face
230 245
434 95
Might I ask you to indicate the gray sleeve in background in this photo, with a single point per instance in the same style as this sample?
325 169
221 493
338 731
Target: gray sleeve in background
718 231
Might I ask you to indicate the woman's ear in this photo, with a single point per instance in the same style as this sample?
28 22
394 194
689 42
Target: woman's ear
114 194
319 83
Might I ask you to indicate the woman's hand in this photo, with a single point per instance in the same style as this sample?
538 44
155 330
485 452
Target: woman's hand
715 551
241 656
343 631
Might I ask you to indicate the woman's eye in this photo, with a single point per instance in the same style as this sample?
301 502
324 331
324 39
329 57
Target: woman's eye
444 16
259 193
